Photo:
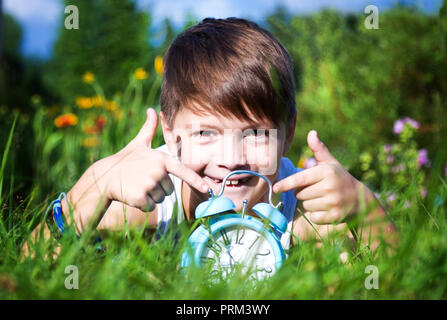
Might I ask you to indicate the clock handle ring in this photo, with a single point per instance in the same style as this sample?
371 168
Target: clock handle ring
252 173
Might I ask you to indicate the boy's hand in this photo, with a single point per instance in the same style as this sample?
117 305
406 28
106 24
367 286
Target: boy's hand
138 174
328 192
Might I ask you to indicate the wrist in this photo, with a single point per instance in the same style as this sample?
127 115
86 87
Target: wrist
88 198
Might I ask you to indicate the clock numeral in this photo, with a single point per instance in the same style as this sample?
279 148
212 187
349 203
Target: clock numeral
266 253
207 260
225 238
266 269
253 243
239 235
214 246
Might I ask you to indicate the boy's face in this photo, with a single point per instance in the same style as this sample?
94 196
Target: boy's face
214 145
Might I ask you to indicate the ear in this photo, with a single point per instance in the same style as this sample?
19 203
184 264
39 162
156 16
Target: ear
289 134
169 136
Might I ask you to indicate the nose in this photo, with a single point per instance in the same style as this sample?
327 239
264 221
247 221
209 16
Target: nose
232 155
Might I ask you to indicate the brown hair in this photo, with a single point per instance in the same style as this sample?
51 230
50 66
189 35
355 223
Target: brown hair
229 67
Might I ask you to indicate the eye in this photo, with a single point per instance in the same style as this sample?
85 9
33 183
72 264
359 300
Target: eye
203 133
256 134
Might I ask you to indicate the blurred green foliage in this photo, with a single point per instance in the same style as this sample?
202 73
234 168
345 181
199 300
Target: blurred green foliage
352 85
111 42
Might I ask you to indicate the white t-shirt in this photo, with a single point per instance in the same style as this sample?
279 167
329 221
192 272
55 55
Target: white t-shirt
166 208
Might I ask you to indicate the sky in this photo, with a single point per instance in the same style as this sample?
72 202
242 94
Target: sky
40 18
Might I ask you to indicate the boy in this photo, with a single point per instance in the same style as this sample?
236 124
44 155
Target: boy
227 103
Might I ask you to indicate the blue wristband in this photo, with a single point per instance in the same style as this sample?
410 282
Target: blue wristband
56 209
57 216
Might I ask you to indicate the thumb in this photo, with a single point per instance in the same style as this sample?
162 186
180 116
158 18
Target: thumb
147 131
321 152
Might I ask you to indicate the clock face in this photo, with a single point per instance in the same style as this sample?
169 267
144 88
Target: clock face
239 248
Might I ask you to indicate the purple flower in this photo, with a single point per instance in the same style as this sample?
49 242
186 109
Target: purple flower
445 170
399 168
412 122
389 159
311 162
423 158
400 124
398 127
424 192
391 197
387 148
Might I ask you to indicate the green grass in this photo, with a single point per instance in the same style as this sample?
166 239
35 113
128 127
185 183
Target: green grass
134 267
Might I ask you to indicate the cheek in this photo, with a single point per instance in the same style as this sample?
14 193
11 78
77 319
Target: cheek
194 155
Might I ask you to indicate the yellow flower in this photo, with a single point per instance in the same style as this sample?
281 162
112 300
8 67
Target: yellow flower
90 142
111 105
66 120
88 77
302 163
97 101
140 74
84 102
118 114
158 65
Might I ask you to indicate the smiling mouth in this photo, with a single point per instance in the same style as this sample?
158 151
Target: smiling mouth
231 183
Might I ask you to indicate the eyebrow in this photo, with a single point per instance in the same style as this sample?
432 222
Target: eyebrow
217 127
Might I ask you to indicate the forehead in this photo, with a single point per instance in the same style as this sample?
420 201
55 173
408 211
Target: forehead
187 118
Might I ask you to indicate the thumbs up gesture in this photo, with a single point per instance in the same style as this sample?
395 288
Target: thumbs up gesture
138 175
329 194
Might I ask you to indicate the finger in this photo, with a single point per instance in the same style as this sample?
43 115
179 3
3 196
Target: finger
166 184
326 230
157 194
320 151
326 217
188 175
299 179
147 131
318 204
316 190
149 206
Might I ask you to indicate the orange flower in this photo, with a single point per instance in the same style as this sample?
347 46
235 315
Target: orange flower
66 120
158 65
90 130
84 102
88 77
97 127
140 74
101 122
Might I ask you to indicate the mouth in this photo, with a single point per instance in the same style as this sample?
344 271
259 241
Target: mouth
232 182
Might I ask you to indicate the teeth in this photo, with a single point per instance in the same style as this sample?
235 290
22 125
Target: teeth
231 182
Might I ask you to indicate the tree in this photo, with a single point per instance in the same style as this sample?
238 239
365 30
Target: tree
112 41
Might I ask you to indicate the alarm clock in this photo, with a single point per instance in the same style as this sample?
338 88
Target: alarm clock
231 241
